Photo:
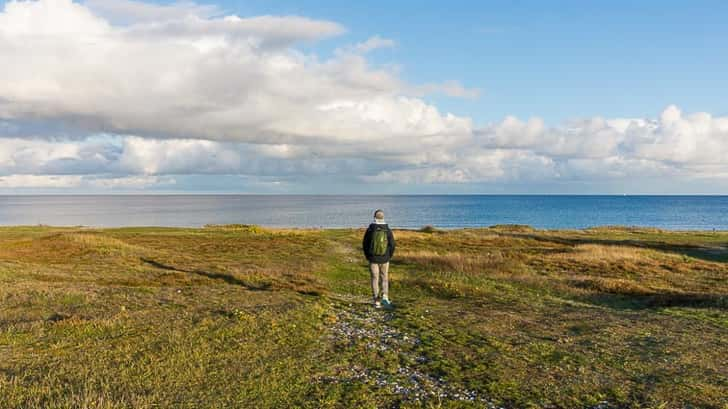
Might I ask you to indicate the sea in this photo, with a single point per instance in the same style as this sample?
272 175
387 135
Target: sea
402 211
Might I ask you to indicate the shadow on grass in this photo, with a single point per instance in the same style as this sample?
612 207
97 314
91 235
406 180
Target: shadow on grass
654 301
214 276
718 253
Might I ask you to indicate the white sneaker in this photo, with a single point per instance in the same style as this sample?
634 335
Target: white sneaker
377 304
385 301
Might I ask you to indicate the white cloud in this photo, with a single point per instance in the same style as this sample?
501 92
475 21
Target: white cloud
672 147
694 139
80 181
475 166
34 156
122 94
128 11
673 140
36 181
220 78
449 88
509 151
143 156
129 182
373 43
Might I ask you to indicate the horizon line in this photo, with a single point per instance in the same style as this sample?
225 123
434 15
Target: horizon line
365 194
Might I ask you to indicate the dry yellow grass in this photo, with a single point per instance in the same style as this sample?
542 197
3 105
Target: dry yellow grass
480 263
605 253
101 243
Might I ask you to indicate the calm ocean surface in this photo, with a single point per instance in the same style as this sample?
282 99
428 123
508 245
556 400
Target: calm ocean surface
668 212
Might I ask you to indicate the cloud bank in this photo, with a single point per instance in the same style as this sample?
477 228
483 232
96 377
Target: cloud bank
120 94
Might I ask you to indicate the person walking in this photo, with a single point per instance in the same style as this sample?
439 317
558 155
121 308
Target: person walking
378 245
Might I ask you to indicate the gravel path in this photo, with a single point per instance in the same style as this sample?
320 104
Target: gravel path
358 325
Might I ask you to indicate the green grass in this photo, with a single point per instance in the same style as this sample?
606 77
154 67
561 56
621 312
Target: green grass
243 316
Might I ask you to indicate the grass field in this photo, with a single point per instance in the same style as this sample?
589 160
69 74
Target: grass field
242 316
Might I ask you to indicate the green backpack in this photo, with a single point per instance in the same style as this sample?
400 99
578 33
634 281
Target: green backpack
379 242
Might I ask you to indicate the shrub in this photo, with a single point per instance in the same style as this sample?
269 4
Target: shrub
428 229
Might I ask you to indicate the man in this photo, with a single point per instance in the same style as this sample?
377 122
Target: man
378 246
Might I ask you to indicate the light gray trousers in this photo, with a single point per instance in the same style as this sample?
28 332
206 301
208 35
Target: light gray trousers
376 271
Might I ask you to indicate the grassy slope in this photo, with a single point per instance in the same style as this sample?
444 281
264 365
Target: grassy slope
237 317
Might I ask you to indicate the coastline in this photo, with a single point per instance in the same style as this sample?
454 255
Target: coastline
412 212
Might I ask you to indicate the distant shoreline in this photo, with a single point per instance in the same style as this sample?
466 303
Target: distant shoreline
200 194
703 213
431 229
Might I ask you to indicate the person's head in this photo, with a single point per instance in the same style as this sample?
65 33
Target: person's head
379 214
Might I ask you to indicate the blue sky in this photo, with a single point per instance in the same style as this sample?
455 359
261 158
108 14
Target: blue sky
554 59
364 97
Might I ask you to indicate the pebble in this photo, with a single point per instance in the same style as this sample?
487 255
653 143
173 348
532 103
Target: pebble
411 382
364 326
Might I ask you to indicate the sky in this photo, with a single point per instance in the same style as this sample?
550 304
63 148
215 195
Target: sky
556 97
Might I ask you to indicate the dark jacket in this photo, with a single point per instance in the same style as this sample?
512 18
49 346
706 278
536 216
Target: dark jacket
366 244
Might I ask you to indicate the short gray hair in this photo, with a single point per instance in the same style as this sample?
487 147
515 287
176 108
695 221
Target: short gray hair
379 214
